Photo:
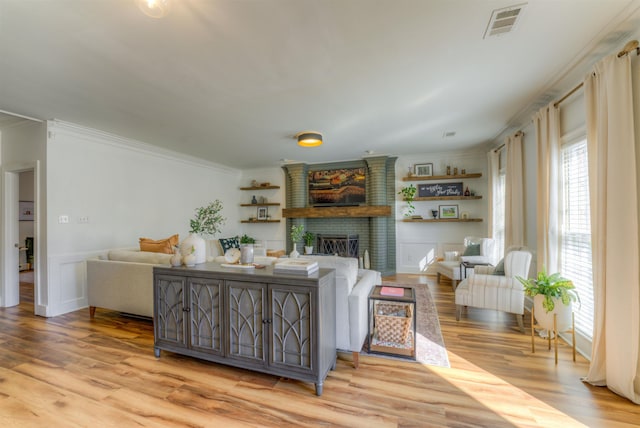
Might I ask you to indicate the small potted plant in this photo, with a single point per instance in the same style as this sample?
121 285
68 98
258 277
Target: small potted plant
246 239
408 194
296 236
308 242
552 294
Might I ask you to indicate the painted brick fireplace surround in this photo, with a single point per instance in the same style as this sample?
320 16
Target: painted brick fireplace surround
374 223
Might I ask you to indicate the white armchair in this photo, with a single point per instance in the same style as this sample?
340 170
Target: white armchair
505 293
450 266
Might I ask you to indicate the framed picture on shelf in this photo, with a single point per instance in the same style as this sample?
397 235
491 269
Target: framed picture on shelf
448 211
262 213
423 169
26 211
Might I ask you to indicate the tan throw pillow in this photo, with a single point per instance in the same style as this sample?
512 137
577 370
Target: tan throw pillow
159 246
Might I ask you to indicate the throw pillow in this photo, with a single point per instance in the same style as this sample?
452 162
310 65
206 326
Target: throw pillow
472 250
499 270
228 243
159 246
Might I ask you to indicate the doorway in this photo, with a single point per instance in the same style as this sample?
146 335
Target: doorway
19 234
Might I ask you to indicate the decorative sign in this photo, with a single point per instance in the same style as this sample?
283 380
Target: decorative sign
440 189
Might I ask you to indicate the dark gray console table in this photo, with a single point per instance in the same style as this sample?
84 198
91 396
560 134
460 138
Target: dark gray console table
273 323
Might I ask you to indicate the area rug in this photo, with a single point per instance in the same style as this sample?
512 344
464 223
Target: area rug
430 347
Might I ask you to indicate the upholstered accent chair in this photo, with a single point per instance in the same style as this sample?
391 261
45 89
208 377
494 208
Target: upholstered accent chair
475 250
487 289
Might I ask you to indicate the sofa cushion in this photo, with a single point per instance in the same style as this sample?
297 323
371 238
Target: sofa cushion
472 250
228 243
139 257
159 246
346 267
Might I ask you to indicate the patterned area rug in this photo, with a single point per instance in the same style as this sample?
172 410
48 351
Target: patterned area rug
430 347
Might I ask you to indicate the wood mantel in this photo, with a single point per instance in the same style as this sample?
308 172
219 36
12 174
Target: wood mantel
319 212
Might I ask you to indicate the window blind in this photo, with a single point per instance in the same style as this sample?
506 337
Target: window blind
575 231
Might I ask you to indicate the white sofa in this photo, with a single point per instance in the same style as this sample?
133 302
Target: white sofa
123 281
353 286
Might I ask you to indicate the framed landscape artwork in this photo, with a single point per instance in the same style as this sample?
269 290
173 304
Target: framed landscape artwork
448 211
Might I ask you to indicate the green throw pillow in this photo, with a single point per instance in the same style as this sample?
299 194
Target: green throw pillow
499 270
472 250
228 243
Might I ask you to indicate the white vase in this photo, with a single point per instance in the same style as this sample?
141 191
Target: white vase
294 254
199 246
544 319
176 259
308 249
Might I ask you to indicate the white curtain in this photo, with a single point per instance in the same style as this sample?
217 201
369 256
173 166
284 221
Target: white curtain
614 227
514 192
494 169
547 126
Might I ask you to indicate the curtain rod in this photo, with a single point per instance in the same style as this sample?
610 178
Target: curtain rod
501 146
628 48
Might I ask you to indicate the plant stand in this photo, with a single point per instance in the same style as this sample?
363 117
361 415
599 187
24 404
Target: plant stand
555 331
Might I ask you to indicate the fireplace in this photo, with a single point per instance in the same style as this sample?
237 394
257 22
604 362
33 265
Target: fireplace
342 245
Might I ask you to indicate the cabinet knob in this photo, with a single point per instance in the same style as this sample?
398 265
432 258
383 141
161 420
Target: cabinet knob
266 321
186 309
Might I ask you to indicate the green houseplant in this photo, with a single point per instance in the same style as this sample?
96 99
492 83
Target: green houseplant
207 222
552 287
308 238
408 194
296 236
246 239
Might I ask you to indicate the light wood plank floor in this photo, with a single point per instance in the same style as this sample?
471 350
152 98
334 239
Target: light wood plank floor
73 371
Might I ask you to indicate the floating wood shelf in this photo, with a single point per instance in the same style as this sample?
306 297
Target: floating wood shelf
268 204
441 177
259 187
441 220
319 212
444 198
260 221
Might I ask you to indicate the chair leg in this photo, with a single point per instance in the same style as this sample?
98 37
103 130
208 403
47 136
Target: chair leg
520 322
458 312
356 359
92 311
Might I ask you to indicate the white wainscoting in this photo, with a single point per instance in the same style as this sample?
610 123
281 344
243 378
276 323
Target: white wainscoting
68 280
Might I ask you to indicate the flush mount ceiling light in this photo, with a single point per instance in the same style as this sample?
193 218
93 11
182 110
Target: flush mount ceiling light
154 8
309 139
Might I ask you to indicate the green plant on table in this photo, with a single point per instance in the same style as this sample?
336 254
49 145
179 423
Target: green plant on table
246 239
208 220
296 233
308 238
550 286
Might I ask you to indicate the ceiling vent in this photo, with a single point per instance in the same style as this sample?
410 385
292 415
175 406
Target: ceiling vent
504 20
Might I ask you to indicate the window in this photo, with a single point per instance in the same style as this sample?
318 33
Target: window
499 207
575 230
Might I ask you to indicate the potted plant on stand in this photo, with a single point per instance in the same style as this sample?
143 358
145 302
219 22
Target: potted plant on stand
552 295
207 222
296 236
308 242
408 194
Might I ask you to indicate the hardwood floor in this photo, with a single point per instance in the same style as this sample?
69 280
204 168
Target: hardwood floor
74 371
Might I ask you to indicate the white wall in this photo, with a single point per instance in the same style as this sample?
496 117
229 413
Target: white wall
114 191
418 244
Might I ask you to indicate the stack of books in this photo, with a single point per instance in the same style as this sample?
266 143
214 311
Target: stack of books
296 266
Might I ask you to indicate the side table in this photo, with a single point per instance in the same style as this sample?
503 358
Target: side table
468 265
392 322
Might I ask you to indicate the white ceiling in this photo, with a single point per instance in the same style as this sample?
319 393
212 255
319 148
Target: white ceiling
232 81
